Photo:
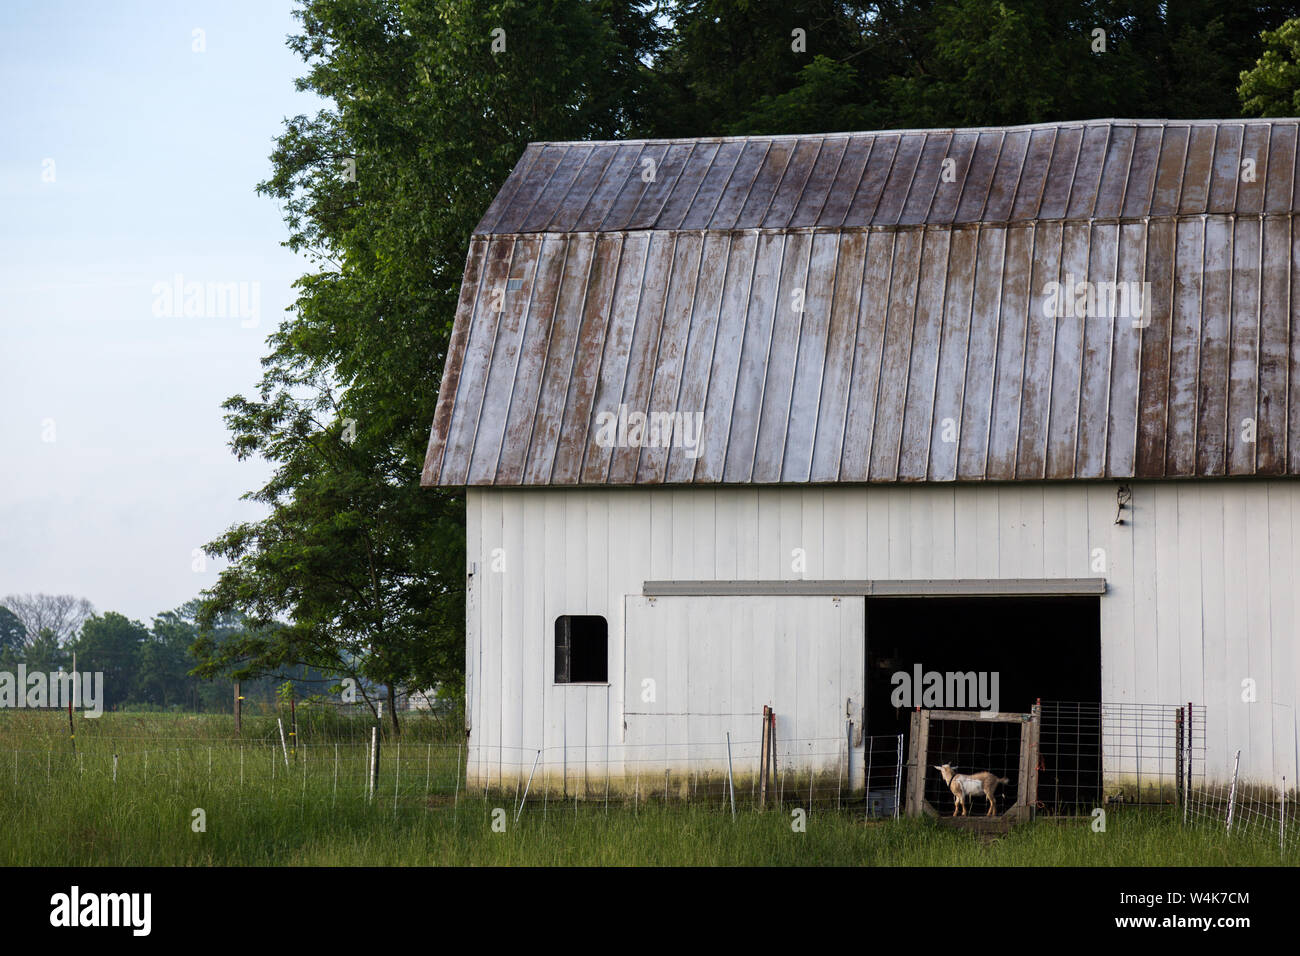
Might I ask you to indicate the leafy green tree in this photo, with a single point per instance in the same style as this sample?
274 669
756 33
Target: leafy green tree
13 636
356 570
1272 86
825 99
45 653
163 678
729 66
112 643
727 63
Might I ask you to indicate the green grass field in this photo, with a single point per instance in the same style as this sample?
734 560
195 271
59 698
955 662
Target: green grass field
88 809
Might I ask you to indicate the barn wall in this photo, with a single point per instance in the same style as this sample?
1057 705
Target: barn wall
1201 587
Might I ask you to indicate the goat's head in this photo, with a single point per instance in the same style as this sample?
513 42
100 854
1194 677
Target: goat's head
946 770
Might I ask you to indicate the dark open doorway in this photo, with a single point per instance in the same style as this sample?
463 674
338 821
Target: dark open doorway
1046 648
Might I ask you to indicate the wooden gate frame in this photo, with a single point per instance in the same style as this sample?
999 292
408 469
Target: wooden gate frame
1027 790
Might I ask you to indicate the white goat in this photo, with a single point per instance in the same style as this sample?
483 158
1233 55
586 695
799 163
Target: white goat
964 786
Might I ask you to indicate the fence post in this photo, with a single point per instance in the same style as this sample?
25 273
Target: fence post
730 782
520 809
839 771
282 743
763 758
1232 791
239 712
455 795
374 761
397 776
866 780
771 749
1281 821
898 774
1179 796
1187 762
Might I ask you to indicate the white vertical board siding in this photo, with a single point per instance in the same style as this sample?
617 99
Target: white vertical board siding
1201 584
715 662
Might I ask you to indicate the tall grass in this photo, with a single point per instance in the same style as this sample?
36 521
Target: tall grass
61 808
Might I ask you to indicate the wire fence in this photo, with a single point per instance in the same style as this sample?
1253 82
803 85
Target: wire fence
1249 812
401 776
1092 754
815 771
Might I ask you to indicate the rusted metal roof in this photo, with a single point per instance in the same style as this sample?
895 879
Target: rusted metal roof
1075 300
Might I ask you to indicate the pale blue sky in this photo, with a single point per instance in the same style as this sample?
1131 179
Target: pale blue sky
156 150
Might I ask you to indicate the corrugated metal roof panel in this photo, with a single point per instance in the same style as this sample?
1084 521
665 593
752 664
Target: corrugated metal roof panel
879 307
1097 169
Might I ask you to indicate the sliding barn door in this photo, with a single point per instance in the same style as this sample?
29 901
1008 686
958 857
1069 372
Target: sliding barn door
698 668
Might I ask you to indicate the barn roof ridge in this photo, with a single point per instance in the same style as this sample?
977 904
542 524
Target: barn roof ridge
744 137
1068 170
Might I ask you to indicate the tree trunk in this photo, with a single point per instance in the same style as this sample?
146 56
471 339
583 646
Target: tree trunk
392 710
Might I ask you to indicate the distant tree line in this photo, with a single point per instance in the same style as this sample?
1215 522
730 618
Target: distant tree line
144 667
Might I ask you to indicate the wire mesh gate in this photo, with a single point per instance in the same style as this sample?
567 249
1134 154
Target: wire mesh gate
1062 758
970 742
1093 754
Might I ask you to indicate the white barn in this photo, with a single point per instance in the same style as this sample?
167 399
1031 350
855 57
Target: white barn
898 387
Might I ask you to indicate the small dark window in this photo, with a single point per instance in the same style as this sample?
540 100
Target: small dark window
581 649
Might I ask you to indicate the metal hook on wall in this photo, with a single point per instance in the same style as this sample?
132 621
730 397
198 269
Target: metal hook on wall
1123 495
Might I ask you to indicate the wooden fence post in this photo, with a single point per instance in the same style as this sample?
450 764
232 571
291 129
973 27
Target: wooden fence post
771 750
